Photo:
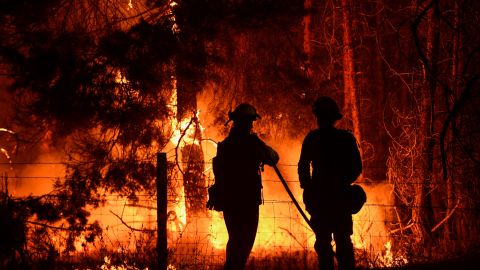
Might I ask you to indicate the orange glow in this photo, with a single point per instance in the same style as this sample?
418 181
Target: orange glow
280 226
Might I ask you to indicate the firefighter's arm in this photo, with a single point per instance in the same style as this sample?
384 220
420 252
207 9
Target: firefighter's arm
270 156
266 153
304 164
218 166
356 161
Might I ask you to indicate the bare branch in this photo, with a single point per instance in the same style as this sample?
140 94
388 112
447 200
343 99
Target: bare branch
293 237
130 227
446 217
50 226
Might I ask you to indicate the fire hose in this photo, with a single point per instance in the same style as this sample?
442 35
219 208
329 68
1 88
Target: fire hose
292 197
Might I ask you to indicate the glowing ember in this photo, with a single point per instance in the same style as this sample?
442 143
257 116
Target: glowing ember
119 78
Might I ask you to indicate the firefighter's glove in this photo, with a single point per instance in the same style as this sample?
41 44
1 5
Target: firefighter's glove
271 156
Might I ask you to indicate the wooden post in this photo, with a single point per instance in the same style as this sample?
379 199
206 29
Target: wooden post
162 251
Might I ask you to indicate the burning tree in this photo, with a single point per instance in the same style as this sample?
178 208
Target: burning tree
97 84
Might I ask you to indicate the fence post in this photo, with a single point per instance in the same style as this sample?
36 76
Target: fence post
162 251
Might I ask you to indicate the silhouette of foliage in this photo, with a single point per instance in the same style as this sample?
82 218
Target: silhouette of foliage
100 94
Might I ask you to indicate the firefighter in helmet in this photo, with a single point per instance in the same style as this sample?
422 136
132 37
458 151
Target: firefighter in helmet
329 163
237 168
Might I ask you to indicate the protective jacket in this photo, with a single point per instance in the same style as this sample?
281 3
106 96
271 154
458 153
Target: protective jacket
237 168
334 158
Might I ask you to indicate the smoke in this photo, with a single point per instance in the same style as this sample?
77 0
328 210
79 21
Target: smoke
38 177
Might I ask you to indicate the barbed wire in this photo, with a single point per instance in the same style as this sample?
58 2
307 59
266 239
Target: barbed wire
279 212
153 159
264 180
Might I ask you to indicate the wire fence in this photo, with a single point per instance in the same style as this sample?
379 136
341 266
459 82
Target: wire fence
197 238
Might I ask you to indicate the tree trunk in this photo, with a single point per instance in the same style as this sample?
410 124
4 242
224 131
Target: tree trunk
350 90
427 96
307 37
192 159
456 85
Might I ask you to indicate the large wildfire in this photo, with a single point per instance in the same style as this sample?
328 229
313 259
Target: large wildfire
281 228
91 91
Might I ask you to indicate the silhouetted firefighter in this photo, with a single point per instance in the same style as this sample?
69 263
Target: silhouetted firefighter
237 189
335 161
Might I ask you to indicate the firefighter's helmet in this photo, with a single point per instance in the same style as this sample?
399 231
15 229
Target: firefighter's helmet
244 111
326 107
